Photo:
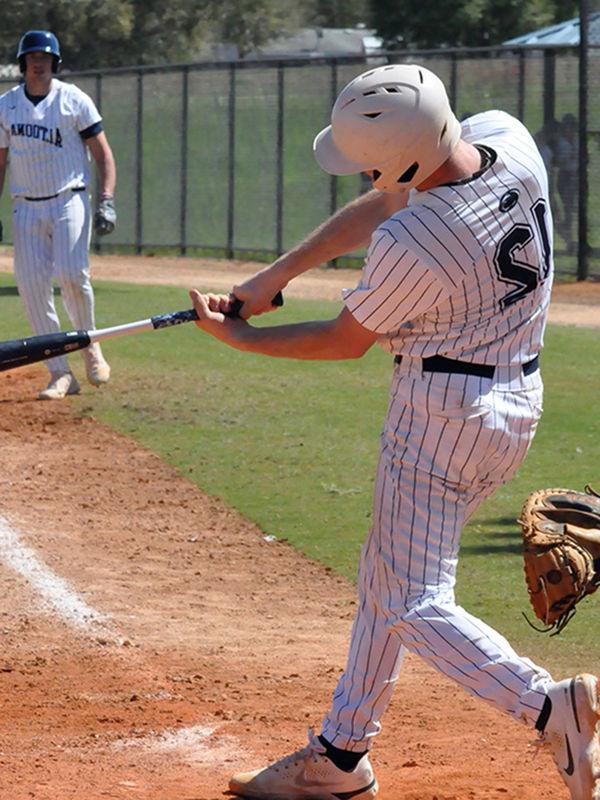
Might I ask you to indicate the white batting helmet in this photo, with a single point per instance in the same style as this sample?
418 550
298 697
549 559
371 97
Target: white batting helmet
394 120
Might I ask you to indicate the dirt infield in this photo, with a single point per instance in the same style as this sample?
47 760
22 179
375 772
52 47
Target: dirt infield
153 641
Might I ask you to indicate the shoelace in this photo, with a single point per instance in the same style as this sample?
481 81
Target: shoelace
313 748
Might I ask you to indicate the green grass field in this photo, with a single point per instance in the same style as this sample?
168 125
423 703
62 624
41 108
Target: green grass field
293 445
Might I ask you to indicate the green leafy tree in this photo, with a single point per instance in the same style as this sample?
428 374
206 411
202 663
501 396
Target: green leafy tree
567 9
336 13
423 23
499 20
110 33
463 23
95 35
249 24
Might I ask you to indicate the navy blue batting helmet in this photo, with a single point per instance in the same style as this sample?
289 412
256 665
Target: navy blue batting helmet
38 42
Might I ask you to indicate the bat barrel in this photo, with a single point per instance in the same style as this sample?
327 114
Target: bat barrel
19 352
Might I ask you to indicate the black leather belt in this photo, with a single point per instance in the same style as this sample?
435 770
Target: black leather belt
443 364
52 196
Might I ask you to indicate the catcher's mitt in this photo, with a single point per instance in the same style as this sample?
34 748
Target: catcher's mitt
105 217
561 549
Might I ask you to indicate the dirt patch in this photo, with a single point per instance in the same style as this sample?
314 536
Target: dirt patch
153 641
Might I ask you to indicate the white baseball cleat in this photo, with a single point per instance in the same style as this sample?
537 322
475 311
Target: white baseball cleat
572 735
96 366
307 775
61 384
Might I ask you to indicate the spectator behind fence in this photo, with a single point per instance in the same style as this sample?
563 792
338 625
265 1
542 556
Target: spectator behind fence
567 183
546 139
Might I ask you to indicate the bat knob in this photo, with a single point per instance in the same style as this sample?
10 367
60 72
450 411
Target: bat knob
236 305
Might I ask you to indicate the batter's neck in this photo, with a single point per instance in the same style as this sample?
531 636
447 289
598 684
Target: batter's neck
463 162
38 87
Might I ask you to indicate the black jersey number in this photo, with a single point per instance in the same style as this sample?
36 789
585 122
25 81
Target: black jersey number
522 276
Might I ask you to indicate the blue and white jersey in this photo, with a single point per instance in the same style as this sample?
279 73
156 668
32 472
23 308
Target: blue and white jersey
46 152
465 270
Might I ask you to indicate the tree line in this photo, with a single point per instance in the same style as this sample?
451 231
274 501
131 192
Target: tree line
113 33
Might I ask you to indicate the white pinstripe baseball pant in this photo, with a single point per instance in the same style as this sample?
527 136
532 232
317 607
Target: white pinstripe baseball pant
51 240
448 442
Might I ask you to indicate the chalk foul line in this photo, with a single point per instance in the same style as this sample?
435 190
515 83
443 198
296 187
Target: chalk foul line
52 591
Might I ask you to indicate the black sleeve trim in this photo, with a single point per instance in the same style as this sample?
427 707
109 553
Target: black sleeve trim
93 130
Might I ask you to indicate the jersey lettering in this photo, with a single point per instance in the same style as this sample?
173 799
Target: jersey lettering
511 269
33 131
539 212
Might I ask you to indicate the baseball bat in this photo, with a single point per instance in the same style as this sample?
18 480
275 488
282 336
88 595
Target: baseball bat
19 352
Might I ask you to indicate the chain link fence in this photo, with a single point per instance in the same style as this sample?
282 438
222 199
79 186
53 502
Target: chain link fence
216 158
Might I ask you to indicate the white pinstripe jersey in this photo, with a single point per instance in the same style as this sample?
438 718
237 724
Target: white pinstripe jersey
47 154
465 271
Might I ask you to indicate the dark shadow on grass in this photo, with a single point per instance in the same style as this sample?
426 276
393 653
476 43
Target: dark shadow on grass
490 549
504 538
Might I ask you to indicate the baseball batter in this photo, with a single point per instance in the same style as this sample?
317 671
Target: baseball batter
47 130
456 286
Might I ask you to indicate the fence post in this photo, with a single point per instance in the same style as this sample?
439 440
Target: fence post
231 170
280 134
184 161
582 220
139 163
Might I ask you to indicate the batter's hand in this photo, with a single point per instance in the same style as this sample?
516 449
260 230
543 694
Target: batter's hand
257 293
212 311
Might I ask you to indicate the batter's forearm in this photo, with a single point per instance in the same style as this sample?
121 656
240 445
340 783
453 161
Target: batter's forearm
307 341
318 340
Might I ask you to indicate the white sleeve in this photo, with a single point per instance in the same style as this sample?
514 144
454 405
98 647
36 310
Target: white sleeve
87 113
395 286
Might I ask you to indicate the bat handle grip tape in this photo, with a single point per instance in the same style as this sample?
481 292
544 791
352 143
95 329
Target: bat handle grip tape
237 304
